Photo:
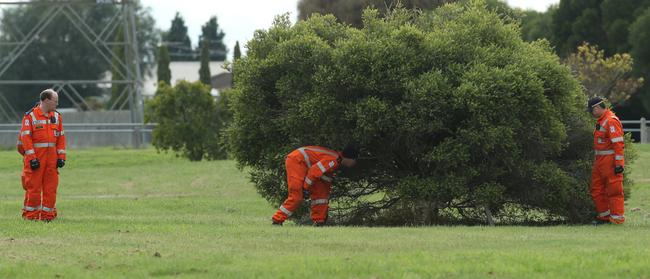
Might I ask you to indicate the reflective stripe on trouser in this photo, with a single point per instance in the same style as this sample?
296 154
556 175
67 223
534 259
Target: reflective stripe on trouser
40 188
607 188
296 173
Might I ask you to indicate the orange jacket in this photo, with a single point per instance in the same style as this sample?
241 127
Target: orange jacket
40 131
609 138
321 163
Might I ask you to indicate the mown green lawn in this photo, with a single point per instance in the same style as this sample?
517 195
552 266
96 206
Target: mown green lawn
136 213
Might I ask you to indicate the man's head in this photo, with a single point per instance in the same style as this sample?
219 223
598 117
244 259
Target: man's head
49 100
349 156
596 106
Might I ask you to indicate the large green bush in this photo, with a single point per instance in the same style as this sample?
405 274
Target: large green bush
189 121
459 119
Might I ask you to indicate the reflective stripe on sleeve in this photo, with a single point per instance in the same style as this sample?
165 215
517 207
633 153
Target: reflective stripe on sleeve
326 178
308 181
26 132
286 211
29 152
319 201
304 154
618 139
321 167
60 151
618 158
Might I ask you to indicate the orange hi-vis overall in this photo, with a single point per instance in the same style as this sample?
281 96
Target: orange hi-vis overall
310 168
41 137
606 185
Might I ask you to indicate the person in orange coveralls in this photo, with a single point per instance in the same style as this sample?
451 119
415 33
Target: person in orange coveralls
309 173
609 164
42 144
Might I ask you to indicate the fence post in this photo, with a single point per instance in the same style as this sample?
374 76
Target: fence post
644 131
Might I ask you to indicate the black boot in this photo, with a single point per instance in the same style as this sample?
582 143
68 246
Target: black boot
275 223
319 224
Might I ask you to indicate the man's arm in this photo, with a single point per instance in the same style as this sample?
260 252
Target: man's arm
617 137
60 140
319 169
26 131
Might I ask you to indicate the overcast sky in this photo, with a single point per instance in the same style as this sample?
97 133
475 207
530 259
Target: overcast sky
240 18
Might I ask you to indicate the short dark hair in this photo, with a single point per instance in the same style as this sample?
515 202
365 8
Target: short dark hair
47 94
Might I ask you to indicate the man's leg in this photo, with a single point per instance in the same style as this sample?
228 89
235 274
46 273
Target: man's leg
615 195
295 178
34 187
50 185
320 202
598 193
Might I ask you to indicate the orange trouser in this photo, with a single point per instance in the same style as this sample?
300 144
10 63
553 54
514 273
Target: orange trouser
607 189
40 186
319 192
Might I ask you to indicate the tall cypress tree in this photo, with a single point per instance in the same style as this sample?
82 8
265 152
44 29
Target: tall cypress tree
237 52
204 71
164 73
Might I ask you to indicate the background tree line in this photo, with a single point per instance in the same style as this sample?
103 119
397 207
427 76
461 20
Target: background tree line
61 52
614 26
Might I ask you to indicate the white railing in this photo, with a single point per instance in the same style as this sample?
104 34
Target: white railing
643 128
134 134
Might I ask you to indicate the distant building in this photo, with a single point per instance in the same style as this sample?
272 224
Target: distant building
189 71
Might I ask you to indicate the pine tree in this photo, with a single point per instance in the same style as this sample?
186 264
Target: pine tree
179 43
211 33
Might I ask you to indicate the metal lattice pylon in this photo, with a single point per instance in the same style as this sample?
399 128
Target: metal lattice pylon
128 67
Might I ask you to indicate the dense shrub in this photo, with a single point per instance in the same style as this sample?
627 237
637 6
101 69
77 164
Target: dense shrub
459 119
189 122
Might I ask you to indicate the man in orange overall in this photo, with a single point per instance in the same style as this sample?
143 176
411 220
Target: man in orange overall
309 173
609 164
42 144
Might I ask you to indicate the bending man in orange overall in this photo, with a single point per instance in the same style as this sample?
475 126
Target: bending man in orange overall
309 172
609 164
42 143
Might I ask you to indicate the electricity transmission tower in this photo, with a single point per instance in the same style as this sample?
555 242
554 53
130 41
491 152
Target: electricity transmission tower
106 44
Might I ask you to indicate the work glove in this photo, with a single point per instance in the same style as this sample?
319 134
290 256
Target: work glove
597 126
305 194
34 164
60 163
618 169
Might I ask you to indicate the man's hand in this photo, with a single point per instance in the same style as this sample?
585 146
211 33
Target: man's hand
34 164
618 169
60 163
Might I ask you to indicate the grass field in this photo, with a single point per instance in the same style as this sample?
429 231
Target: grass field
136 213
